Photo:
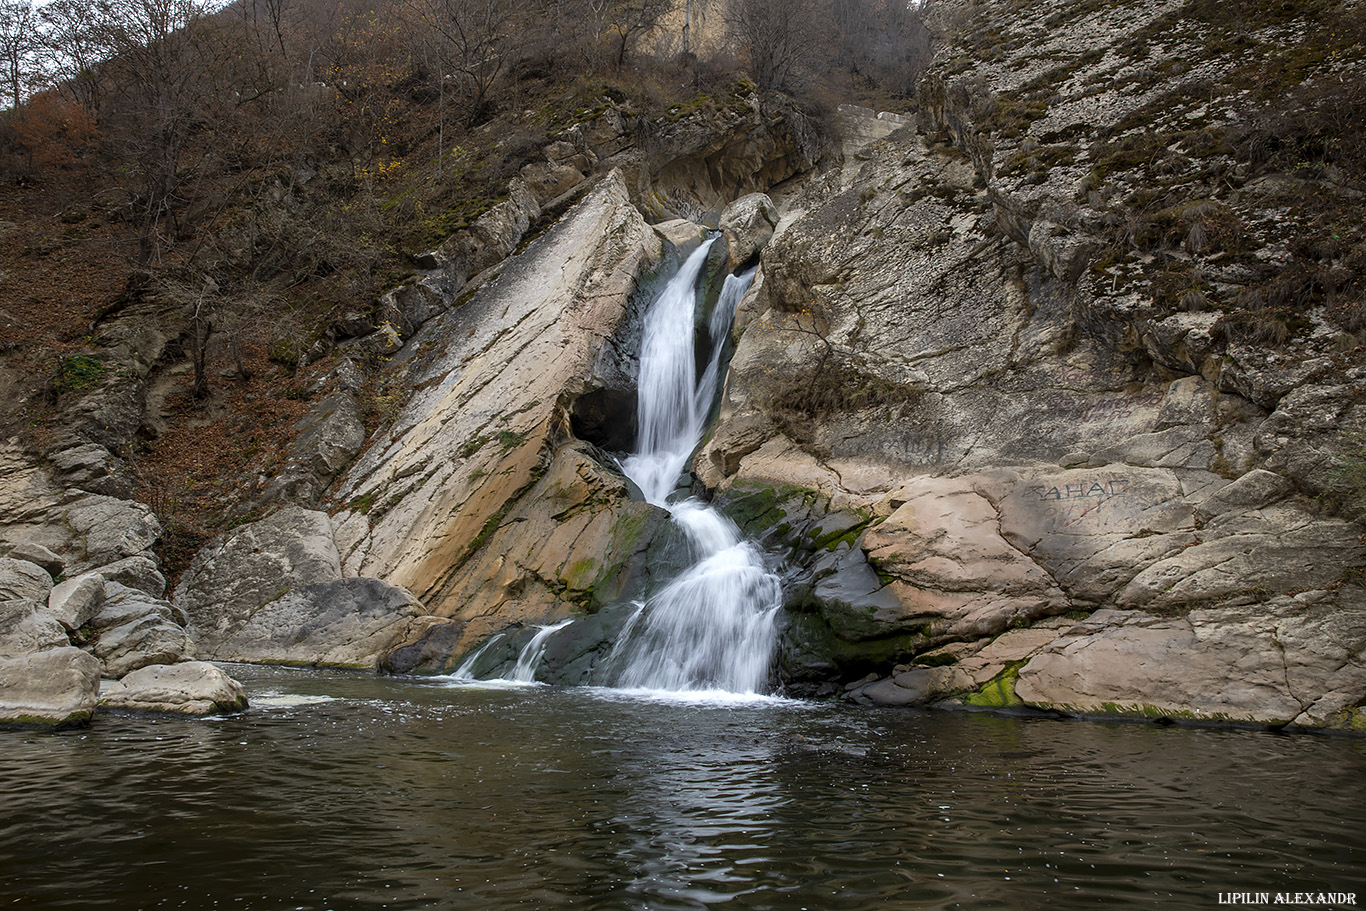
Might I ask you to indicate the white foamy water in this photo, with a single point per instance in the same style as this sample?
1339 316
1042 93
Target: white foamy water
712 628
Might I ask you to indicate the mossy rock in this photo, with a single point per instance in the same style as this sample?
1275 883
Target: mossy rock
810 650
999 691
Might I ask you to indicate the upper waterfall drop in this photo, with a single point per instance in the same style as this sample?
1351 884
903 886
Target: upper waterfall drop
667 412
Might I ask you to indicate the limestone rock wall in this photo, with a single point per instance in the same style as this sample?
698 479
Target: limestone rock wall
1008 464
477 499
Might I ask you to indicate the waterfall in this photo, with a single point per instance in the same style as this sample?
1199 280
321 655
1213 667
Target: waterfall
711 628
530 656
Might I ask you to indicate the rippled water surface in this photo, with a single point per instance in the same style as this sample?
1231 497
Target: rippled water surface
355 792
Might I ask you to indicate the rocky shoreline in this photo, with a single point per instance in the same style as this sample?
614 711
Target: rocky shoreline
997 399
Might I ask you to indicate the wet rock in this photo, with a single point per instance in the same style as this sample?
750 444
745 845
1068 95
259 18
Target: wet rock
191 688
428 647
52 688
683 235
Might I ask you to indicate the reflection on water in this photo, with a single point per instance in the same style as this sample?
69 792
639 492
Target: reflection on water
339 792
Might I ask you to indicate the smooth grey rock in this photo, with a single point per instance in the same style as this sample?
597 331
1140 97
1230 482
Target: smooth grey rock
37 553
1258 663
139 573
189 688
342 623
1253 490
905 689
122 604
76 602
21 579
242 571
748 224
55 687
149 639
25 628
107 529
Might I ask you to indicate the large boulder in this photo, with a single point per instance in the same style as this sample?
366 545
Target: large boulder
37 553
350 623
22 579
134 629
76 602
56 687
26 627
191 688
239 573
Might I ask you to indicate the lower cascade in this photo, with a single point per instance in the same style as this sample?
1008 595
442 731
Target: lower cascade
712 627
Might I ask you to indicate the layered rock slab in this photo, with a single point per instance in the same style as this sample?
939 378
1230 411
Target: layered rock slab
470 500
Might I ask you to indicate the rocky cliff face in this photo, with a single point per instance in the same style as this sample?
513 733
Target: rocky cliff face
1049 399
1002 397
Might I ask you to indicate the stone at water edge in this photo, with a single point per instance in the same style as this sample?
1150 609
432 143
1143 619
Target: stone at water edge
237 574
190 688
349 623
56 687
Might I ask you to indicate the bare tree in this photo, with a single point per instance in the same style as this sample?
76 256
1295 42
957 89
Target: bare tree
777 38
630 20
72 48
18 46
474 39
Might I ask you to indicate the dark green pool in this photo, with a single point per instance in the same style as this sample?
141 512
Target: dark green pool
359 792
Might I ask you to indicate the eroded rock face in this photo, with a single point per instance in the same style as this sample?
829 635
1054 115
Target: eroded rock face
1031 427
474 472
